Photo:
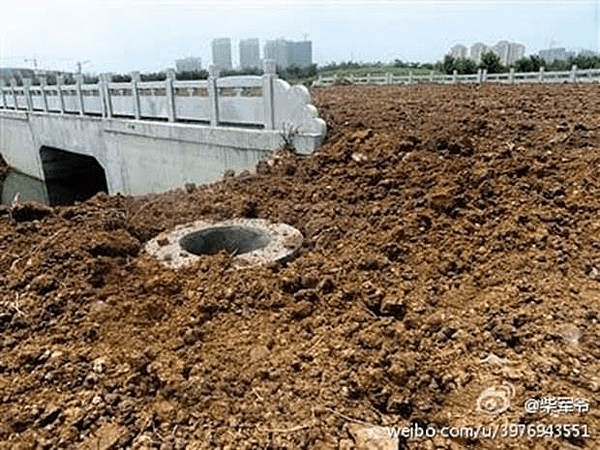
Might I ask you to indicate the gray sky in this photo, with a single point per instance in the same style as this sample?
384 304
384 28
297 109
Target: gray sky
122 36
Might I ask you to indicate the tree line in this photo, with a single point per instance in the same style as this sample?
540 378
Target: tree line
492 63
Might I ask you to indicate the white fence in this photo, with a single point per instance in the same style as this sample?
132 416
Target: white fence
265 102
572 76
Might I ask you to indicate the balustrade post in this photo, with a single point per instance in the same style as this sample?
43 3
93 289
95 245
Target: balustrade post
573 74
61 99
105 79
269 76
2 96
170 95
13 85
135 79
43 84
27 91
79 83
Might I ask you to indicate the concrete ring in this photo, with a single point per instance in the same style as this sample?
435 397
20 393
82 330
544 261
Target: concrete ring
251 242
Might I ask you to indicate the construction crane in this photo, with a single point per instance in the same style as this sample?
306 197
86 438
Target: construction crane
34 61
80 65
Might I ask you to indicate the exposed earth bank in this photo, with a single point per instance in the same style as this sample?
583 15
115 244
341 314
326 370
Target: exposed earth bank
450 272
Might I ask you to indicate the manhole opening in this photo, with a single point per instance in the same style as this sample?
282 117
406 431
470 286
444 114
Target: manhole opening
235 240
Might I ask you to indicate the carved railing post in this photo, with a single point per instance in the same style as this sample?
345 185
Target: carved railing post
27 92
269 75
170 95
105 80
213 94
13 85
135 79
43 84
79 83
2 96
61 99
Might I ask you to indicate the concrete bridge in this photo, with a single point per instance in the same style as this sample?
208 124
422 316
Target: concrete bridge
145 137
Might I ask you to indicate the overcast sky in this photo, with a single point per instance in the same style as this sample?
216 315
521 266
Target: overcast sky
122 36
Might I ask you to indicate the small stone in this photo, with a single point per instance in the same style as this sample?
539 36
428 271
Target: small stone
99 365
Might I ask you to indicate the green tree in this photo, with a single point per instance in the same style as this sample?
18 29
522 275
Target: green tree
491 62
531 64
449 64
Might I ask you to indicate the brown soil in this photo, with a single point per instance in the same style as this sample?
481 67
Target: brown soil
452 244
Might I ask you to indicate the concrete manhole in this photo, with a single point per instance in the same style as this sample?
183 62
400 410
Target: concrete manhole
250 241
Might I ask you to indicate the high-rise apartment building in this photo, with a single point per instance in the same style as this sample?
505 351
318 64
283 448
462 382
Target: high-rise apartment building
553 54
477 50
221 53
459 51
288 53
188 64
249 54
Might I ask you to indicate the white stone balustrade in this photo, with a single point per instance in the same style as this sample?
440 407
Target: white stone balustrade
261 102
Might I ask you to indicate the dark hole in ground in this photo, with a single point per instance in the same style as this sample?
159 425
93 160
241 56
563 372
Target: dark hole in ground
235 240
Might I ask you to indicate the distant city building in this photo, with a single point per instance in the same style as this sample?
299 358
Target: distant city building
221 53
477 50
516 52
301 53
189 64
288 53
508 52
587 53
249 54
555 54
459 51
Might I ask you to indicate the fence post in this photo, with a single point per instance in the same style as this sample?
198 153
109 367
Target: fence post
61 99
13 85
541 75
511 75
484 75
105 79
79 82
2 96
27 92
170 95
135 79
573 74
43 84
269 76
368 78
213 94
410 77
431 76
454 76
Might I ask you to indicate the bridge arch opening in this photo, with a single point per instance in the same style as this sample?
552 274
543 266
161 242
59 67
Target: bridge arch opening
71 177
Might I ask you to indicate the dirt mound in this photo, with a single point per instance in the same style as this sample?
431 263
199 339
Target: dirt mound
450 276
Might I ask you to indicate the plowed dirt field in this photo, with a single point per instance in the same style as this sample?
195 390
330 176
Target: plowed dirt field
449 277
